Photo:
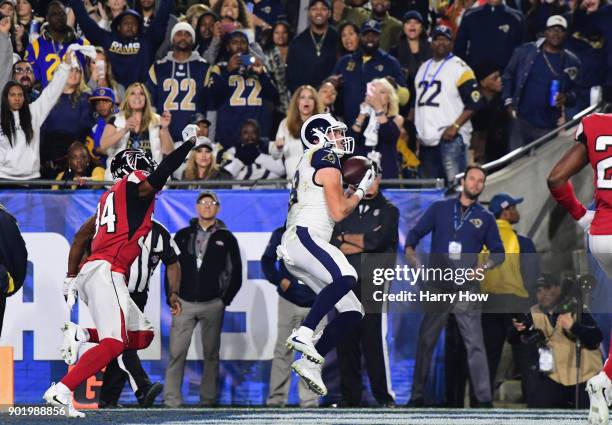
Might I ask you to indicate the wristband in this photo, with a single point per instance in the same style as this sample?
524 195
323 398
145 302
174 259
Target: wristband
567 198
380 113
356 124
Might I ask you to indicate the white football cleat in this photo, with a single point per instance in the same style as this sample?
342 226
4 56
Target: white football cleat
597 387
70 347
310 372
59 395
305 346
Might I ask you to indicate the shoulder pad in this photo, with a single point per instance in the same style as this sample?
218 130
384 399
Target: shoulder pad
324 158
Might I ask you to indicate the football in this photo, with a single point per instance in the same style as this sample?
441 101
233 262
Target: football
355 168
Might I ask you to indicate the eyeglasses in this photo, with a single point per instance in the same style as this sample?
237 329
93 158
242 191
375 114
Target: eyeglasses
207 202
23 71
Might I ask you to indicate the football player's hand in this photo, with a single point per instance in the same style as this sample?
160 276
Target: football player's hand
69 291
234 62
366 182
586 219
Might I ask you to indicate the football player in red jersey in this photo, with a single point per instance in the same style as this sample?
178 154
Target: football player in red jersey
594 137
122 221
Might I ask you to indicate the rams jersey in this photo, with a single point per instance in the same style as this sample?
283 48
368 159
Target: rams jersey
594 132
179 88
46 55
443 90
307 205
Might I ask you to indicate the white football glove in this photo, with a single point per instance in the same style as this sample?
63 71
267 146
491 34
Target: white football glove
190 132
586 219
365 183
69 291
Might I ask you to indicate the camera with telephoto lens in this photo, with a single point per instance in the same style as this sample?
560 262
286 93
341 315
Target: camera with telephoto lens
529 335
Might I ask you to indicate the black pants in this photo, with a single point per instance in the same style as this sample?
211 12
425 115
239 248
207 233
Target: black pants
2 307
365 338
114 376
551 394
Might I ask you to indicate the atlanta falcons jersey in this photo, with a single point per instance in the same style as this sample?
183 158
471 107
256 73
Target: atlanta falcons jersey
123 221
595 131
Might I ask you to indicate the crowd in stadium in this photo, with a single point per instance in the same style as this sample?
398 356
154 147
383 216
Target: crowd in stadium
423 87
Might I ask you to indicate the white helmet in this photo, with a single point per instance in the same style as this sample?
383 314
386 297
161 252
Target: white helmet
320 130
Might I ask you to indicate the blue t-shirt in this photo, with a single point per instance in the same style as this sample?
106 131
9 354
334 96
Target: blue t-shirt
534 106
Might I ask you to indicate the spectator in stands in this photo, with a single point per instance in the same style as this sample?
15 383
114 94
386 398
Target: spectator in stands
202 165
24 74
136 126
313 53
294 302
103 101
193 14
129 48
349 38
147 9
379 125
527 83
186 71
452 14
47 51
556 330
70 119
276 55
101 75
20 121
205 30
20 37
451 235
327 96
304 103
489 33
211 276
491 123
26 18
238 91
248 160
600 21
269 11
400 8
412 50
109 10
538 14
354 71
508 285
203 124
79 167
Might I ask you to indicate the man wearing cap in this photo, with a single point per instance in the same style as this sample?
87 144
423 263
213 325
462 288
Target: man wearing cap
211 275
240 89
313 53
510 285
446 97
103 102
130 49
177 82
372 228
355 70
539 82
46 52
489 33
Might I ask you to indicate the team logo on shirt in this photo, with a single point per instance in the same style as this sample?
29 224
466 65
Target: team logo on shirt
504 28
124 48
572 72
475 95
329 158
476 222
350 66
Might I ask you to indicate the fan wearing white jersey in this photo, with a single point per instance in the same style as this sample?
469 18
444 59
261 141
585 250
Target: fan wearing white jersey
316 203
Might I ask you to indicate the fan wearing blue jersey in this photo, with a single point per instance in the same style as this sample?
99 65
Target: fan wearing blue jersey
177 82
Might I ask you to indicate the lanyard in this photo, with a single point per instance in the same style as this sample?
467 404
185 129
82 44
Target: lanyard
459 219
427 84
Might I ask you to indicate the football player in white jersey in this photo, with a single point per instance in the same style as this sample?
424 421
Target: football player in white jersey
316 203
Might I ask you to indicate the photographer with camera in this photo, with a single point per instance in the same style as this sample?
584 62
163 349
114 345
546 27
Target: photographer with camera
552 330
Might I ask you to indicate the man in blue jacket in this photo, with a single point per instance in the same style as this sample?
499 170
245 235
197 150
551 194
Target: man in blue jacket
528 84
460 228
130 50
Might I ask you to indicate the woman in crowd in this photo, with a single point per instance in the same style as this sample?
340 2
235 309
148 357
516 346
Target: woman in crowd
277 58
29 24
349 38
288 144
79 167
109 10
70 119
538 14
101 75
201 164
194 13
379 125
136 126
20 123
328 95
206 29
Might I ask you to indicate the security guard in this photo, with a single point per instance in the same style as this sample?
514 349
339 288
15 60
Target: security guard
13 259
371 228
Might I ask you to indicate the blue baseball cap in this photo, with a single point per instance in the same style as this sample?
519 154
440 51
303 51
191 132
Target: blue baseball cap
371 25
502 201
442 30
412 14
103 93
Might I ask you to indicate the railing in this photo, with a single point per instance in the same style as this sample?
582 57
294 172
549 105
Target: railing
243 184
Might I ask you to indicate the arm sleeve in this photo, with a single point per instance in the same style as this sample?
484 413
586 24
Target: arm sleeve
275 166
494 243
268 259
170 251
6 58
461 41
169 165
210 55
13 254
218 85
423 227
292 67
468 89
157 30
268 89
96 35
385 235
235 265
508 77
588 332
41 107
